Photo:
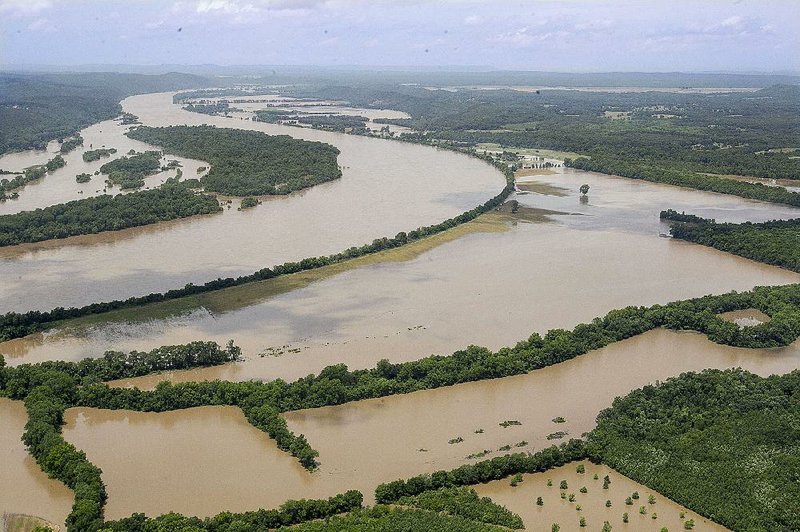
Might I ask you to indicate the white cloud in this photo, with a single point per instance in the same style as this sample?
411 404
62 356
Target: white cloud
41 24
473 20
523 37
24 7
224 6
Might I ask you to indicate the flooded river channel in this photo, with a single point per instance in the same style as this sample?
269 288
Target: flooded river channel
496 284
560 261
386 187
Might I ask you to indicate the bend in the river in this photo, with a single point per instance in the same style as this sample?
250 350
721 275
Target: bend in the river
387 187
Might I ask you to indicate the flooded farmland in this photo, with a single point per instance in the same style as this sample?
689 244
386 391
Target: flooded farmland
365 443
522 501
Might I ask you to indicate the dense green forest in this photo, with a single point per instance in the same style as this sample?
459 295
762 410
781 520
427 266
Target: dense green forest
776 242
393 519
464 502
37 108
71 143
247 163
334 122
129 171
723 443
729 133
105 213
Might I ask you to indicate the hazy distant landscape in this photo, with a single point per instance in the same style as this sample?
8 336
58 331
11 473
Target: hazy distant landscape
367 266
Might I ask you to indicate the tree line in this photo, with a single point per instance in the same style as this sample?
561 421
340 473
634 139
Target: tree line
666 175
103 213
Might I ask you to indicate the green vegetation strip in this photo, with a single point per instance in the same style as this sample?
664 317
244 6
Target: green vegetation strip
290 513
464 502
247 163
776 242
17 325
103 213
129 172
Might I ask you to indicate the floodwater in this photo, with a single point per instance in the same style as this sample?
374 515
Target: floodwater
746 317
522 501
24 487
211 458
485 288
149 460
387 187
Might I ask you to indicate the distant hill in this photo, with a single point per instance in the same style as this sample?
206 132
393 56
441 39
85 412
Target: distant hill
37 108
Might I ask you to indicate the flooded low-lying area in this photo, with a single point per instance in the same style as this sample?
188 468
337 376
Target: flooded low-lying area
149 460
199 461
386 187
745 318
521 500
492 286
24 487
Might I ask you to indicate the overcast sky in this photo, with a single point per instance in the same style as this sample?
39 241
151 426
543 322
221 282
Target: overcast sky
567 35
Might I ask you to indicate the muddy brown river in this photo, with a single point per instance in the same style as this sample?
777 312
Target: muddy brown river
492 286
492 283
386 187
24 488
149 460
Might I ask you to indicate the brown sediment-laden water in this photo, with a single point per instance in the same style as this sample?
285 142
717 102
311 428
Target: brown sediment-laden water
365 443
24 487
495 284
386 187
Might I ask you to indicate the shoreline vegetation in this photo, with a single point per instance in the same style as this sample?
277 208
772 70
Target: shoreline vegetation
9 188
774 242
173 200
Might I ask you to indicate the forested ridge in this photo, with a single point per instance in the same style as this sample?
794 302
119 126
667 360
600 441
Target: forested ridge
105 213
247 163
37 108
